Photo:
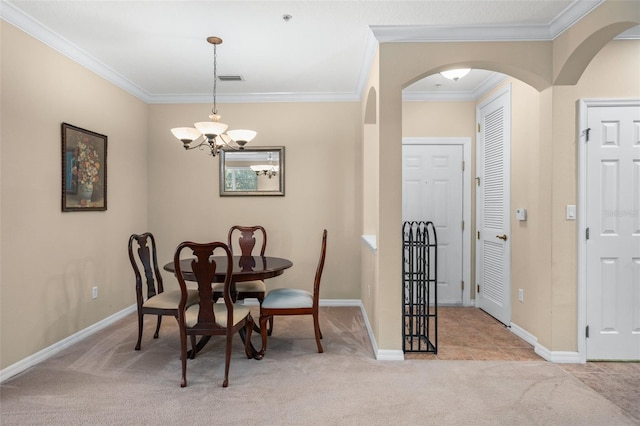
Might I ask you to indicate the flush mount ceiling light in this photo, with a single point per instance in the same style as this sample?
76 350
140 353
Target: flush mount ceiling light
455 75
214 134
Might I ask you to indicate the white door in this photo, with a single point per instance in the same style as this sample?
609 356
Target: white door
613 242
432 191
493 249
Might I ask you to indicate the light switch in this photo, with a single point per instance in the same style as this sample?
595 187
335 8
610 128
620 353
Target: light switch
571 212
521 214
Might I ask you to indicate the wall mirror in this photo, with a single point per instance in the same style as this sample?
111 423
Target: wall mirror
252 171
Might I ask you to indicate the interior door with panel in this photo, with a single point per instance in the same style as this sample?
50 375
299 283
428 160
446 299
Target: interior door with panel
613 227
493 247
432 190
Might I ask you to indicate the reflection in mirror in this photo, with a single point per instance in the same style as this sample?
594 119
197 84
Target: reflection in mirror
252 171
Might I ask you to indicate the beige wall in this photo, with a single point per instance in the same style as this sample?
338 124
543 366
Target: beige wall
50 259
322 188
532 63
446 119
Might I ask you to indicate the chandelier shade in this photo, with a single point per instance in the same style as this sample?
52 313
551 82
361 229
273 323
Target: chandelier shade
213 134
211 129
241 136
456 74
186 134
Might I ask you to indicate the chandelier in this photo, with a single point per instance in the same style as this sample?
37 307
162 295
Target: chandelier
265 169
268 170
213 134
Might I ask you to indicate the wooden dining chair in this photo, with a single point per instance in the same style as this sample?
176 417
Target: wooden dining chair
144 260
247 243
290 301
207 318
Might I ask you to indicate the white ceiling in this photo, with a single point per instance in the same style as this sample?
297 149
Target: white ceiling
157 50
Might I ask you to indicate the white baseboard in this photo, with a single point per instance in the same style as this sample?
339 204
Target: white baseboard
560 357
523 334
381 354
389 355
52 350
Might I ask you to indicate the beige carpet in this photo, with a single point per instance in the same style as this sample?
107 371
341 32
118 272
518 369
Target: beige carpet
102 380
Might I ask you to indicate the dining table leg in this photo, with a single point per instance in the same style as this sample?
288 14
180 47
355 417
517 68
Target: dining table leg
201 344
254 352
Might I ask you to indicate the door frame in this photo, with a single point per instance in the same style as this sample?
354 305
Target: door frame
465 142
581 135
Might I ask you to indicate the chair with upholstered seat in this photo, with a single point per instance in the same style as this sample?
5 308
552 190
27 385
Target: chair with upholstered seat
207 318
246 242
144 259
289 301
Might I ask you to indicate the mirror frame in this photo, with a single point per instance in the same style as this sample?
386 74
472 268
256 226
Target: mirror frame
280 176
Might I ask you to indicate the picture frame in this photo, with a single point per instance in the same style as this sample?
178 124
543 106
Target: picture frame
84 169
255 171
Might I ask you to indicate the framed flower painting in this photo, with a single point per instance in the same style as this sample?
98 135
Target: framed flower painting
84 170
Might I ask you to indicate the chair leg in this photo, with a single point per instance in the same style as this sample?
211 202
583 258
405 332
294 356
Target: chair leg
140 317
270 329
264 332
155 336
227 358
316 326
183 355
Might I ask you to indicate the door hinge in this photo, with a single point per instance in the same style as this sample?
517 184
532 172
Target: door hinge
477 288
463 166
478 127
587 332
478 234
463 225
587 233
462 285
478 180
585 132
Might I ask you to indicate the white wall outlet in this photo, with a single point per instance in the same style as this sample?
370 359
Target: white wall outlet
94 292
521 214
521 295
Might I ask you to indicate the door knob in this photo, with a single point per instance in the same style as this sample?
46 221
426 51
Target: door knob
502 237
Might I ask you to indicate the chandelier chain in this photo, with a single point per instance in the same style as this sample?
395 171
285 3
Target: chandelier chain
215 78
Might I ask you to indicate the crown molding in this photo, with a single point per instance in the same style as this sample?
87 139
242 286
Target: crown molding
445 33
630 34
36 29
247 98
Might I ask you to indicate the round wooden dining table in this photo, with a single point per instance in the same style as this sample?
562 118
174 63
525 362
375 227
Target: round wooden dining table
245 268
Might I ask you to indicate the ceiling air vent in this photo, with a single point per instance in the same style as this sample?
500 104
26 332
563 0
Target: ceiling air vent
230 78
